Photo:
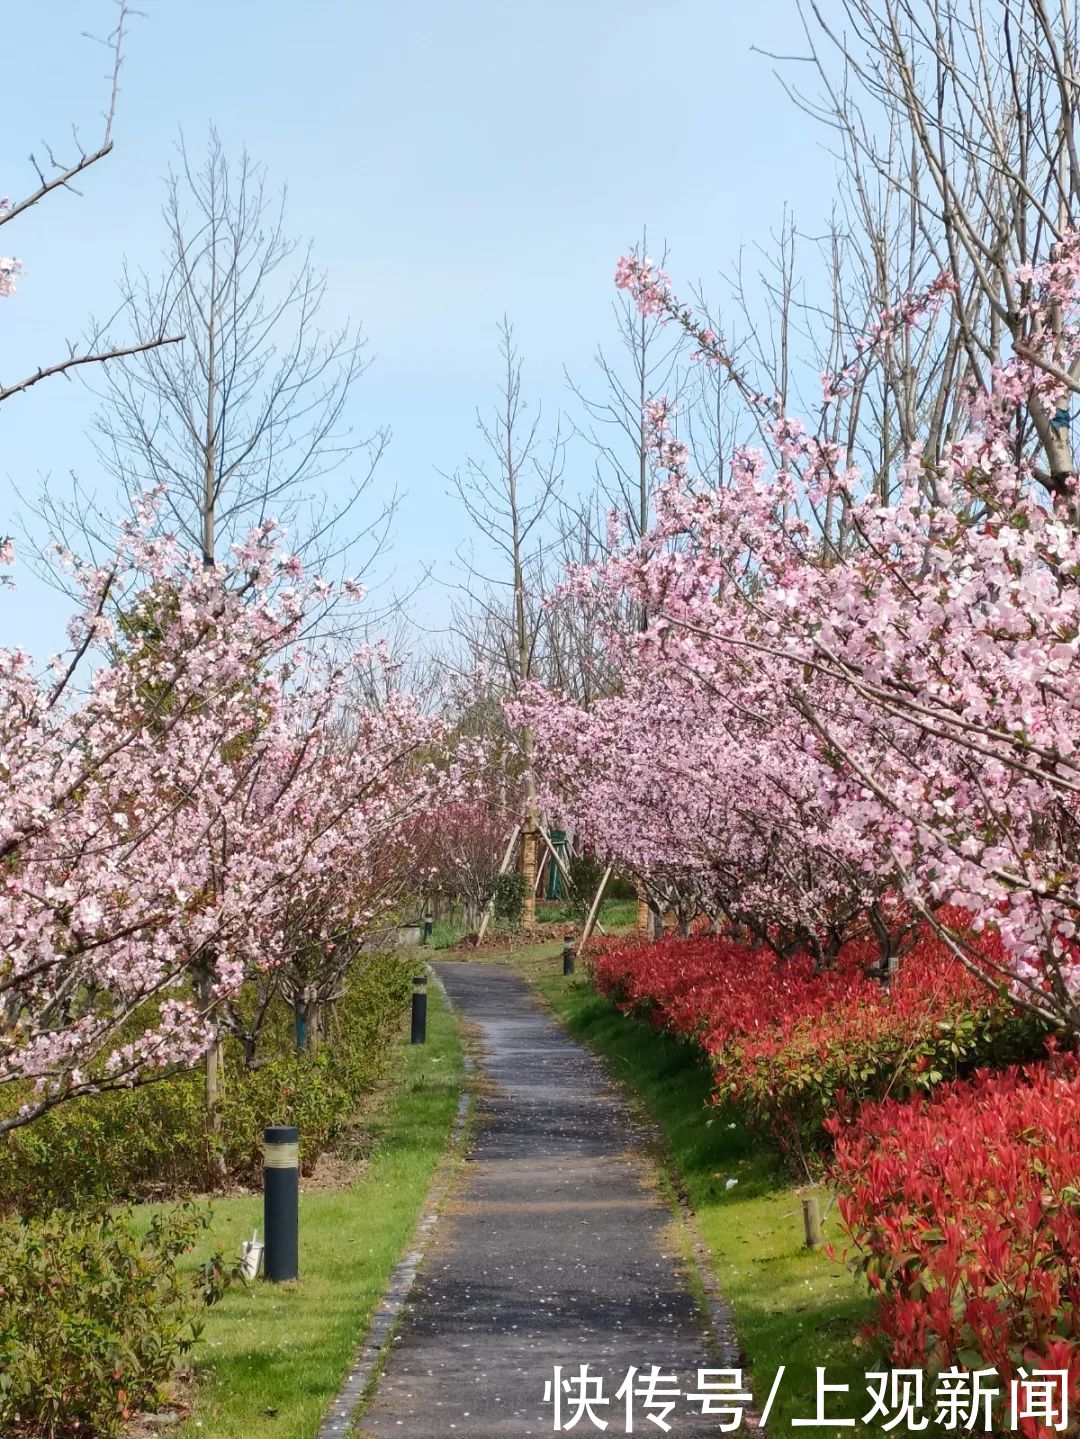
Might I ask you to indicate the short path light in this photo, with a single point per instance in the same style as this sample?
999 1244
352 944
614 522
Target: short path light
419 1009
281 1202
429 925
568 952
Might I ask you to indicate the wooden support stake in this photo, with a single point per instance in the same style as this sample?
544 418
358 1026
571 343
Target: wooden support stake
811 1214
595 910
556 856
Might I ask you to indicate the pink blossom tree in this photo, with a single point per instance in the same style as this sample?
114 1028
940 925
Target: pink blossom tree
199 815
898 715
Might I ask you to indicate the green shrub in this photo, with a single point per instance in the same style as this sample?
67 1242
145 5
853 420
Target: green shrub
152 1142
94 1316
585 876
508 896
135 1144
318 1093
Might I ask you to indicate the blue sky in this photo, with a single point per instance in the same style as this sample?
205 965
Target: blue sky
451 162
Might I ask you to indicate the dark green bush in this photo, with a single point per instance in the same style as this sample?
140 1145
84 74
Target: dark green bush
94 1315
320 1093
621 887
508 896
292 1088
152 1142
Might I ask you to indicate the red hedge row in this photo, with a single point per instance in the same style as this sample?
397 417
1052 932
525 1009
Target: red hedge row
966 1210
791 1048
961 1196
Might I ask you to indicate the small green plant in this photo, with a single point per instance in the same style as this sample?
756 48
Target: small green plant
508 897
94 1315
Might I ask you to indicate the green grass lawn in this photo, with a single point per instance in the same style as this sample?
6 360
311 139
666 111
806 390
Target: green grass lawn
272 1356
791 1306
615 915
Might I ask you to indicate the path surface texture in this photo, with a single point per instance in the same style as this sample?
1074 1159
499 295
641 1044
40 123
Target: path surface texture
554 1250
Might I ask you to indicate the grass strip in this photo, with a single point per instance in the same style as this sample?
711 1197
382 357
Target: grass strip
273 1356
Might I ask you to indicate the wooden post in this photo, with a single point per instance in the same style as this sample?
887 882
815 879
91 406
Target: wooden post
595 910
539 876
811 1215
555 855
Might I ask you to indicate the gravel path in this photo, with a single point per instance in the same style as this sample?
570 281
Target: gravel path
554 1250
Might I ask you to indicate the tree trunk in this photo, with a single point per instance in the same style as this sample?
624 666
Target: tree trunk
530 849
642 921
213 1074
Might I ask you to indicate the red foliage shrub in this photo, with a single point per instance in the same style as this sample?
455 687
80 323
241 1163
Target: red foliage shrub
966 1210
964 1206
791 1047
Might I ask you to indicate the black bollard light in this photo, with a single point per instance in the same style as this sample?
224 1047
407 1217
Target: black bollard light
568 952
429 925
419 1009
281 1202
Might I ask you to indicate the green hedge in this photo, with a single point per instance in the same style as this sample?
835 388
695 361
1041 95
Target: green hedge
94 1314
151 1142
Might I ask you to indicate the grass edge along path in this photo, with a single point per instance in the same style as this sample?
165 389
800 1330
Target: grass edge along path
789 1305
272 1357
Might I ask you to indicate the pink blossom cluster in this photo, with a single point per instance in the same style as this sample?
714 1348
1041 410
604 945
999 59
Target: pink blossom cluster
648 285
670 454
895 319
9 268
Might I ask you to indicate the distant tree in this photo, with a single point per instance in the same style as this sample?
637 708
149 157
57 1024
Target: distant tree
249 419
509 495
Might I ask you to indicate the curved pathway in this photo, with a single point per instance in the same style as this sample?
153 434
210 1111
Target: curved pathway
554 1251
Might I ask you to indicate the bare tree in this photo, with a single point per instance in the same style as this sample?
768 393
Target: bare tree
249 419
54 174
509 496
964 111
954 124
